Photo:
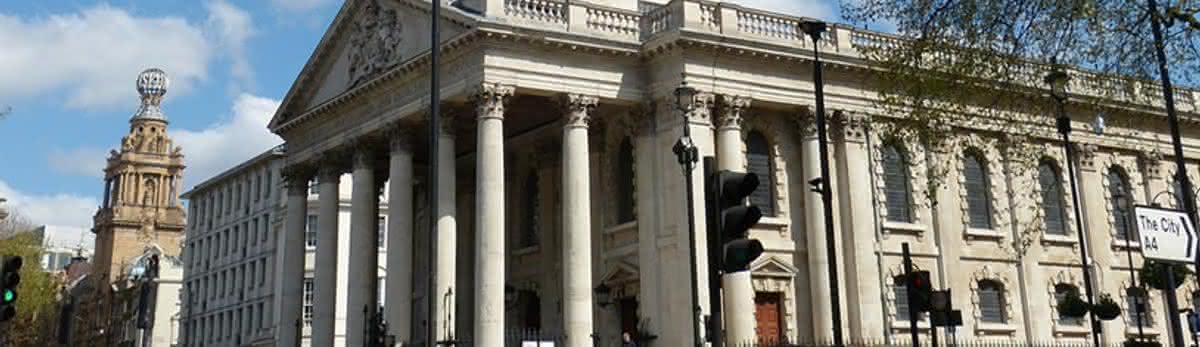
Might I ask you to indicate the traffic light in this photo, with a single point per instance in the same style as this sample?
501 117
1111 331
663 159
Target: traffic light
10 277
922 291
733 218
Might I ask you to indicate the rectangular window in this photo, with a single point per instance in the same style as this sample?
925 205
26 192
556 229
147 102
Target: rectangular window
308 301
310 232
312 187
901 293
381 238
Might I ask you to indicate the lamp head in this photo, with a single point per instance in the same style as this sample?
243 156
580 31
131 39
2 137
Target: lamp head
814 28
685 97
1057 81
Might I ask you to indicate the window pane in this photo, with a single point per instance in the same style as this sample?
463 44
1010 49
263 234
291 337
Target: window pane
979 204
1118 189
900 291
991 302
382 220
896 185
624 182
308 301
1052 200
758 161
310 232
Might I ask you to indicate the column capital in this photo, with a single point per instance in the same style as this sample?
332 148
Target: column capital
1152 161
296 179
853 125
363 154
806 120
731 108
577 108
490 99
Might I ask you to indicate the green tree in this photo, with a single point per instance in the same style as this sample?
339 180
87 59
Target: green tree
37 294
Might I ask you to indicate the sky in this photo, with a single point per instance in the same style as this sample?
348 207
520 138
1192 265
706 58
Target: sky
67 71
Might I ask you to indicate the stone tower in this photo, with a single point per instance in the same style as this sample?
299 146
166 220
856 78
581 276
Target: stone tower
141 207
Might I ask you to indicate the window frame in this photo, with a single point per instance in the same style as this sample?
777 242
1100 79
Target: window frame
972 189
1059 197
906 213
764 197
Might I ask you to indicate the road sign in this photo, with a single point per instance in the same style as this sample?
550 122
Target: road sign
1167 235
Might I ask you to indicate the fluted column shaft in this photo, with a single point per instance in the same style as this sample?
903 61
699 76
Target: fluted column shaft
814 228
736 289
577 222
489 209
363 281
446 239
398 311
292 258
325 275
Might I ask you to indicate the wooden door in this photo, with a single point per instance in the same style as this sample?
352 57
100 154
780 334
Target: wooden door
768 316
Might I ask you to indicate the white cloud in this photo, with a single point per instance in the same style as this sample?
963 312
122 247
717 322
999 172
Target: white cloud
822 9
299 5
232 27
228 142
95 54
83 161
54 209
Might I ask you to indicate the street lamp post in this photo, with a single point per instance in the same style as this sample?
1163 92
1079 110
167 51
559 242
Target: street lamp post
685 150
814 29
1057 80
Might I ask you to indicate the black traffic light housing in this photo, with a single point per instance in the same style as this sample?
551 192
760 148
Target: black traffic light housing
10 277
730 220
922 291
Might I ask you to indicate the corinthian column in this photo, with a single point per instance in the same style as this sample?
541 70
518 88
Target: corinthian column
446 239
400 237
489 214
814 228
363 280
577 221
325 276
738 292
292 259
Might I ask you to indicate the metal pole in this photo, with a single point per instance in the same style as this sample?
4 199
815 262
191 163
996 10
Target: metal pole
685 151
714 323
827 197
1064 128
1141 304
1189 200
435 100
909 294
1172 306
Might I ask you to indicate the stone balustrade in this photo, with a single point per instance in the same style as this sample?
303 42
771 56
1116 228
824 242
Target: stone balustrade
735 21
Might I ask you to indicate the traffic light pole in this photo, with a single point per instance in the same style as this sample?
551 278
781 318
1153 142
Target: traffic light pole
714 324
910 295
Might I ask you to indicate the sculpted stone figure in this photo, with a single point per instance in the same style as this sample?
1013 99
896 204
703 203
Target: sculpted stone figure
375 43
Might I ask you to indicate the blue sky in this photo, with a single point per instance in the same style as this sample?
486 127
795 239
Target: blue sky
68 68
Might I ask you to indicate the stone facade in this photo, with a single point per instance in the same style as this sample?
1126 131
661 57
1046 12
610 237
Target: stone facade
556 174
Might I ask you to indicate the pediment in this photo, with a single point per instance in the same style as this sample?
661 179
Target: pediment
622 272
366 39
771 266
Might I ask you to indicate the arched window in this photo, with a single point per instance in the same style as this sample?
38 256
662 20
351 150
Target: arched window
979 194
896 184
1061 291
529 216
1053 212
624 182
1119 195
991 302
758 161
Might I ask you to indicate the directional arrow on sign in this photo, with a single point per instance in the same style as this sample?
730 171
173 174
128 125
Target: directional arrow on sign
1187 229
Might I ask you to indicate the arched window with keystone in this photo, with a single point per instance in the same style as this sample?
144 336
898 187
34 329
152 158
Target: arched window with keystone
1052 199
1119 195
760 163
896 184
992 302
979 190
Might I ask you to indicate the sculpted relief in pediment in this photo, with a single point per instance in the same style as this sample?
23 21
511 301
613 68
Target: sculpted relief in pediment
374 42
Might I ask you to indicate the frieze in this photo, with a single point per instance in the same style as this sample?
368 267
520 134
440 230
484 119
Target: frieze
375 42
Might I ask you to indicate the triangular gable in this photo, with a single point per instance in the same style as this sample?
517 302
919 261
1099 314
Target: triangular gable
622 273
771 266
365 39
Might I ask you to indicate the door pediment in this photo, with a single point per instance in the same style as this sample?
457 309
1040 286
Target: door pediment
365 40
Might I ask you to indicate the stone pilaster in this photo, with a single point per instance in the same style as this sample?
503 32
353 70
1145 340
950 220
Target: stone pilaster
327 275
577 248
399 310
489 213
292 258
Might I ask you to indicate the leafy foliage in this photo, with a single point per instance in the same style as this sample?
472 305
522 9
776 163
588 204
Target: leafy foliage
1106 308
1072 305
37 293
1154 274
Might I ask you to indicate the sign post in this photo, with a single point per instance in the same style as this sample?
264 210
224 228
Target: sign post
1167 236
